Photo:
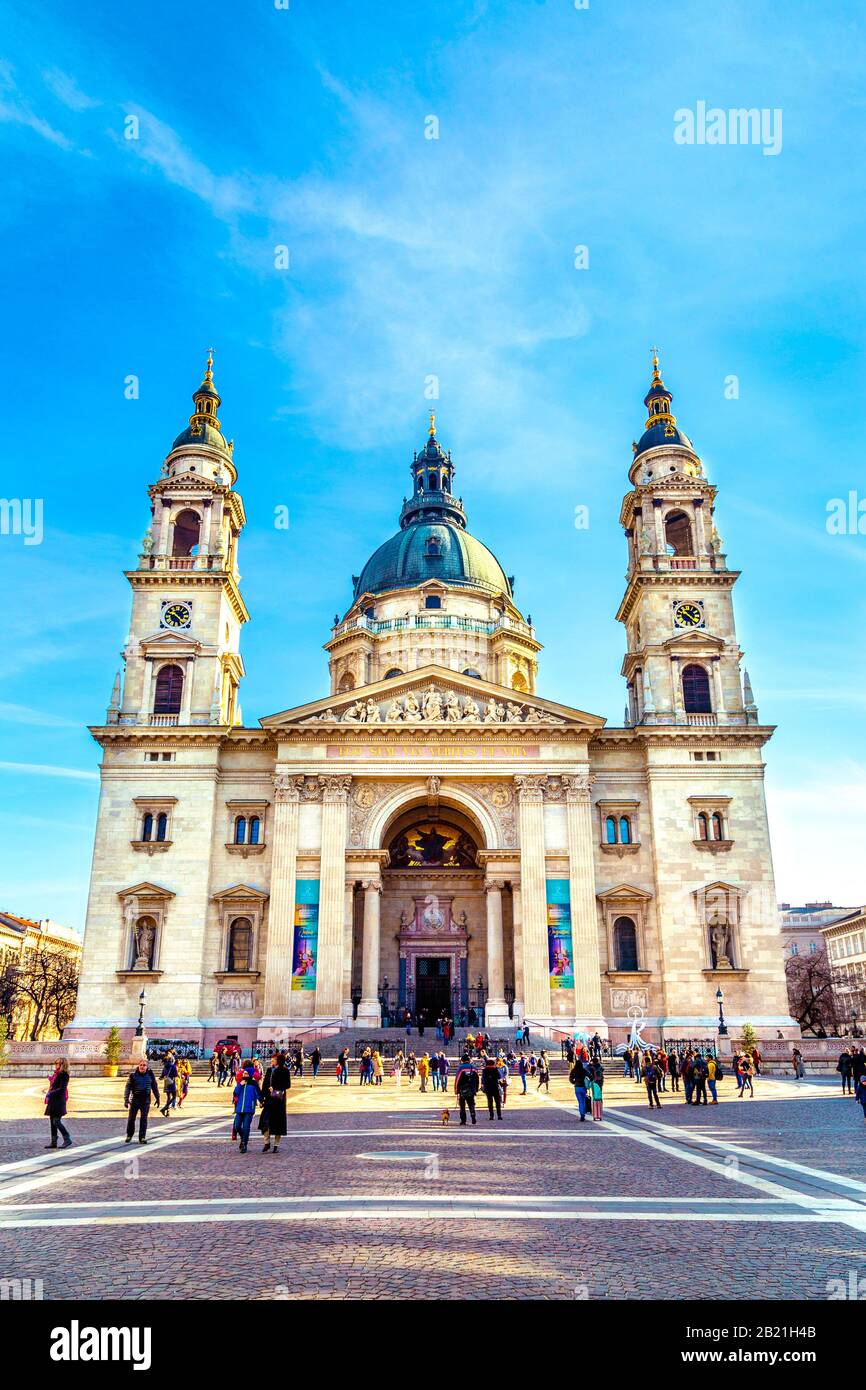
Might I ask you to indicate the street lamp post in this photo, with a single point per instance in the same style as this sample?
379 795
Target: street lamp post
139 1032
723 1027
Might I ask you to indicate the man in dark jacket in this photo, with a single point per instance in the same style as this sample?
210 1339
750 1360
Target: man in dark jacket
579 1078
845 1067
490 1084
140 1086
466 1087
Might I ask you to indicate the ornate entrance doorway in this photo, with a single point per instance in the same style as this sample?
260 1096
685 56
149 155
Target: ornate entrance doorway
432 985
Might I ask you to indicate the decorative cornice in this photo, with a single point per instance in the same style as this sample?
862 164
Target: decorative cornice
287 787
530 788
335 790
578 787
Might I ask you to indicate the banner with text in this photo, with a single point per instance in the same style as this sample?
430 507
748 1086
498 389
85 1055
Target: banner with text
559 949
306 943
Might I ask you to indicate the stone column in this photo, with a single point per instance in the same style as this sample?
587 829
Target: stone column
186 692
332 897
718 692
348 941
369 1009
496 1012
204 535
584 916
536 972
281 909
161 546
700 536
517 932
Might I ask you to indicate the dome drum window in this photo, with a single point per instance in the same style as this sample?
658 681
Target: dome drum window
618 827
153 823
246 827
711 823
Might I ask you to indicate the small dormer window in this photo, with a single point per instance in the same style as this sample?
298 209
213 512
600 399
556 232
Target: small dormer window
432 601
433 546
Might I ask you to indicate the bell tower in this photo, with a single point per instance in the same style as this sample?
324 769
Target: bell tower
682 665
182 656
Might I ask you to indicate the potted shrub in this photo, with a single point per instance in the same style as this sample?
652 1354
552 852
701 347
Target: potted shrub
113 1048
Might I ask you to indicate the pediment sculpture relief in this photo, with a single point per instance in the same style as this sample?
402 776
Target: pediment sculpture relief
435 706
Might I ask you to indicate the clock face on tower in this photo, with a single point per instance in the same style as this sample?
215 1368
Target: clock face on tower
688 615
176 615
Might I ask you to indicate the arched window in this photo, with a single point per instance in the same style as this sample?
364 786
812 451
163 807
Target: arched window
161 825
703 826
476 675
347 682
718 828
169 690
445 487
696 691
518 682
255 830
147 826
610 830
624 830
240 945
187 528
625 944
240 830
678 534
433 482
394 671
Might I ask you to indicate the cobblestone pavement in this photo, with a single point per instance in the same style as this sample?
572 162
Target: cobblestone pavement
371 1196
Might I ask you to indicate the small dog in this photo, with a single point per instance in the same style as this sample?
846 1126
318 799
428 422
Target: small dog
446 1117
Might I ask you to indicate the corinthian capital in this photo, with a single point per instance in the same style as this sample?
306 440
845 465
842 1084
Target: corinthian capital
335 789
530 787
578 786
287 787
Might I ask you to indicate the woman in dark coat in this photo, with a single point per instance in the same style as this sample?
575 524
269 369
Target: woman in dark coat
277 1081
55 1103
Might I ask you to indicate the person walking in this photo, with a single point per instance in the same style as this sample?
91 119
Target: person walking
376 1065
544 1072
247 1095
140 1088
699 1073
343 1067
222 1067
674 1069
845 1068
687 1072
434 1070
747 1073
662 1064
522 1068
714 1075
860 1092
526 1038
503 1079
444 1068
276 1083
213 1065
797 1064
491 1087
596 1087
651 1081
399 1063
169 1083
411 1068
579 1078
423 1070
316 1060
184 1074
466 1087
56 1100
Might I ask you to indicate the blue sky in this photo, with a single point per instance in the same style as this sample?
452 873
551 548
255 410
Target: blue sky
411 257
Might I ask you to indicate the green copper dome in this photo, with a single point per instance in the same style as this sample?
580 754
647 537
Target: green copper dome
432 550
432 542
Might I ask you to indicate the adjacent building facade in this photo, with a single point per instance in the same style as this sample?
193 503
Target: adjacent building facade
434 834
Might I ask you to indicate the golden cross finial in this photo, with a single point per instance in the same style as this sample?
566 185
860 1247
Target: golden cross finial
209 368
432 429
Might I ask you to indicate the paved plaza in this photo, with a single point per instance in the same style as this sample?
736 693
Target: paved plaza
372 1197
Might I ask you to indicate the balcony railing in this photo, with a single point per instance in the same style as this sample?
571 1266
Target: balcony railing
182 562
421 622
701 721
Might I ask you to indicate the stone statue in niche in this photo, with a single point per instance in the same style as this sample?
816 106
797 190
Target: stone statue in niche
145 937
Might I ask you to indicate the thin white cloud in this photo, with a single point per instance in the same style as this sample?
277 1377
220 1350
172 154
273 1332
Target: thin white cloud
24 714
67 91
49 770
16 110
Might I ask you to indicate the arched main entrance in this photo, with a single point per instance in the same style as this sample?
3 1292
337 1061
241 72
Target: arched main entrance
433 910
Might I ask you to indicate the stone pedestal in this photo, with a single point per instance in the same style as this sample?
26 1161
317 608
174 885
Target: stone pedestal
138 1049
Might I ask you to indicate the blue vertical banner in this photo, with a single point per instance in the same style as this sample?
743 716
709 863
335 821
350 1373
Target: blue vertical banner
560 955
306 943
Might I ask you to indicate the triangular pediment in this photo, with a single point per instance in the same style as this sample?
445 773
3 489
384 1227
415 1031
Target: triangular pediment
240 892
167 641
145 890
693 642
434 695
624 893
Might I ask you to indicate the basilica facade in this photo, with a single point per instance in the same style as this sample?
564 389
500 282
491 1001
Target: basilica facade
434 833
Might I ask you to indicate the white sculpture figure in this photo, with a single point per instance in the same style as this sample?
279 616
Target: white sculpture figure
470 709
412 710
354 714
394 713
373 715
534 715
495 713
144 939
434 917
514 714
719 932
645 541
452 707
328 716
147 542
636 1014
432 704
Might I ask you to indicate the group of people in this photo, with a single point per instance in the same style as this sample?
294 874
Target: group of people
176 1076
492 1081
225 1062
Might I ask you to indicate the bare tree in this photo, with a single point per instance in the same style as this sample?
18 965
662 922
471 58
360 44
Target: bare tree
47 982
810 994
